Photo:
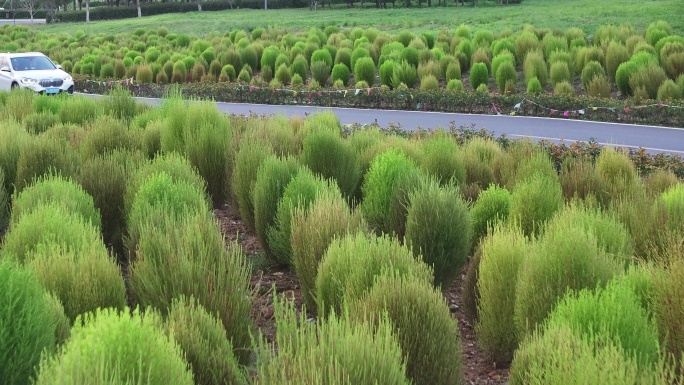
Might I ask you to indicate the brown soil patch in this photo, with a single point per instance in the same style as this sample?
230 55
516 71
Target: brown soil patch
478 368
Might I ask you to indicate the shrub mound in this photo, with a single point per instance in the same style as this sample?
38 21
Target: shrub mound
492 206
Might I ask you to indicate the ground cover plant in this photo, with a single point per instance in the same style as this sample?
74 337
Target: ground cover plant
194 244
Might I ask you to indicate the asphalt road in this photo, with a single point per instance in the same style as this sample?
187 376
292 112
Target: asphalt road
4 21
652 138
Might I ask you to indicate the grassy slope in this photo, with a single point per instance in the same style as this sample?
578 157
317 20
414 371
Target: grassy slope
585 14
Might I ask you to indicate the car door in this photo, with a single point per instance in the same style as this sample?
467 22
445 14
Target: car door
5 77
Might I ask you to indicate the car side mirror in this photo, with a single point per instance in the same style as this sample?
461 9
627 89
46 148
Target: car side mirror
5 69
59 67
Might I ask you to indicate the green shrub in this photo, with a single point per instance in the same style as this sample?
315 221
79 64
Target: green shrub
327 154
19 103
534 201
673 201
269 57
578 178
188 257
561 356
144 74
301 191
674 64
405 73
106 135
591 70
380 187
564 88
28 324
453 72
282 74
444 244
340 72
121 104
505 73
501 58
535 66
502 255
623 74
38 123
534 86
552 43
272 178
567 259
598 87
492 206
659 181
429 68
4 204
112 346
616 173
455 84
429 83
47 104
559 72
79 110
410 55
614 313
362 352
667 301
440 158
479 156
350 264
464 52
229 70
669 91
202 339
650 78
58 190
364 70
565 57
300 66
616 54
421 320
522 161
322 55
320 71
479 75
247 161
343 56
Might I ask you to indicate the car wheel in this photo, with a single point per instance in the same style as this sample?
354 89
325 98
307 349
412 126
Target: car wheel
15 86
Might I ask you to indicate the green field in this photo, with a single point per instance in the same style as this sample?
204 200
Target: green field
585 14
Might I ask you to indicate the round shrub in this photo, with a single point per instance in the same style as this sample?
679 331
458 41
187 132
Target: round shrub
42 156
144 74
229 71
669 91
58 190
673 200
440 158
534 86
616 54
269 57
599 87
247 161
559 72
300 66
568 259
343 56
444 244
479 156
429 83
421 320
506 73
453 71
299 192
479 75
340 72
591 70
564 88
326 153
320 71
649 77
502 255
350 265
107 135
455 84
191 259
272 178
492 206
29 325
616 314
322 55
202 339
404 73
534 201
107 71
109 345
380 187
535 66
364 70
616 172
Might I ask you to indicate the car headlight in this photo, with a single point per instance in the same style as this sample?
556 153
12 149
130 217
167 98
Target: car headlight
28 80
68 78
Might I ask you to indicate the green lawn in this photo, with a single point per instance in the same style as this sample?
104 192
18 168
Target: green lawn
585 14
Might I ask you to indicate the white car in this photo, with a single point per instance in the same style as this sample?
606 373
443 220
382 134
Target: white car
35 71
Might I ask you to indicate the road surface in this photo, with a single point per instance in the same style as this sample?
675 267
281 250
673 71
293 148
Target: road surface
652 138
4 21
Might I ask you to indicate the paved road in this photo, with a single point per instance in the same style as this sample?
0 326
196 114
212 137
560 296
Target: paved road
20 21
652 138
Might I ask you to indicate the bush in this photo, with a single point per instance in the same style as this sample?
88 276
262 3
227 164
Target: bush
350 264
330 156
38 123
362 352
343 56
570 259
674 64
322 55
247 161
109 345
320 72
478 75
28 324
121 104
617 175
440 158
616 54
502 255
107 135
669 91
673 201
4 203
422 323
563 89
364 70
300 192
444 244
340 72
506 73
623 74
534 201
453 72
659 181
559 72
269 57
534 86
202 339
380 187
492 206
429 83
578 178
650 78
614 313
144 74
60 191
429 68
599 87
272 178
405 73
455 84
188 257
79 110
479 156
534 66
591 70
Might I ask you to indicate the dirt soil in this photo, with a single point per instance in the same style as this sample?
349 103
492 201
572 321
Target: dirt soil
478 368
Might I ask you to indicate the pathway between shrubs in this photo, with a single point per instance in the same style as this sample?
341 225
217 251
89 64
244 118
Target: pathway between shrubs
478 369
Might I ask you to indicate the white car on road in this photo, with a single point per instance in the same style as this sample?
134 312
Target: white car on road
35 71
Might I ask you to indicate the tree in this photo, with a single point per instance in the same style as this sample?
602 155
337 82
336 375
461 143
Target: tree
137 4
199 5
31 6
87 11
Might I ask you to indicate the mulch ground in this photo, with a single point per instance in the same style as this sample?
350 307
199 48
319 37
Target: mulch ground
478 369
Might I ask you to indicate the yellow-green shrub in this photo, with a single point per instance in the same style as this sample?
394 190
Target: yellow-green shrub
14 136
440 157
42 156
247 161
106 135
534 201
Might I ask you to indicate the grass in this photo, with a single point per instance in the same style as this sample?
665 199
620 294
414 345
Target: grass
587 15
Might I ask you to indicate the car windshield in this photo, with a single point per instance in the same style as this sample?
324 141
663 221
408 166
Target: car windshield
32 63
